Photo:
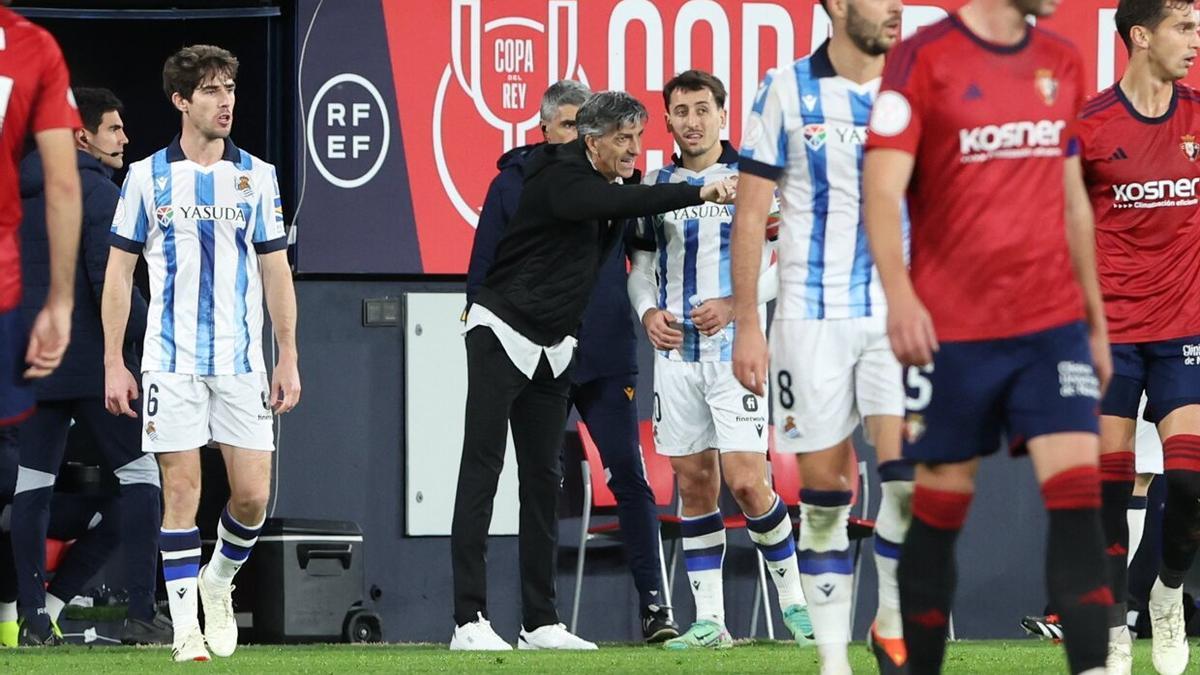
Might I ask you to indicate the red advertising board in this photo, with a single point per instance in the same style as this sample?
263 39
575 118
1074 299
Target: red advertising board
468 76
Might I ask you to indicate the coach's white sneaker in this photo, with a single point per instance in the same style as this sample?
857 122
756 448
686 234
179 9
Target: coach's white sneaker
220 626
1168 642
189 647
1120 652
554 636
478 636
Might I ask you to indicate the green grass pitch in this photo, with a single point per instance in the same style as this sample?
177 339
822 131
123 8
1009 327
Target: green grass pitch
1026 657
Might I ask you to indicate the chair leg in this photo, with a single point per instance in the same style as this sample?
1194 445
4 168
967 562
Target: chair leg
854 582
585 522
766 596
674 564
758 598
666 590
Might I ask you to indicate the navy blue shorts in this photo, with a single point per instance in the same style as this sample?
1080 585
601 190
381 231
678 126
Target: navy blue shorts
977 393
1168 371
17 397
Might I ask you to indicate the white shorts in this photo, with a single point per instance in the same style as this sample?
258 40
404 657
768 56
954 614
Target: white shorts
185 412
1147 446
826 375
701 405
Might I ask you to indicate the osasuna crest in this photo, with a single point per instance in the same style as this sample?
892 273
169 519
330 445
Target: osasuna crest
914 427
1046 85
1190 148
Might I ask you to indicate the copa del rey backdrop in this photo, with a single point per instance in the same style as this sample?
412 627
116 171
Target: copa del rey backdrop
408 104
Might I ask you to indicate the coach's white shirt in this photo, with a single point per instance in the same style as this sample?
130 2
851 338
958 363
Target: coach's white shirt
201 230
523 352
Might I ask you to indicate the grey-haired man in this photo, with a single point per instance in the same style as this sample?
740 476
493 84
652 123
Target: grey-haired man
520 342
604 375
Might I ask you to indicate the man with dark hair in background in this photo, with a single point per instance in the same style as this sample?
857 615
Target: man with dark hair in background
604 378
74 394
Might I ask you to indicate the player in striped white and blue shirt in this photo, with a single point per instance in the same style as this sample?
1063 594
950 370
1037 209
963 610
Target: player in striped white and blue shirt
207 218
704 420
831 364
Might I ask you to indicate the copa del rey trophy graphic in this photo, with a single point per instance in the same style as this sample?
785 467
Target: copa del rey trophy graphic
503 65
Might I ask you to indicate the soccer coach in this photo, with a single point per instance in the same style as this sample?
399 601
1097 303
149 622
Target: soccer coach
520 342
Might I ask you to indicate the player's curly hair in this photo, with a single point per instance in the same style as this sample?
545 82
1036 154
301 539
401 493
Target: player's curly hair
188 67
1145 13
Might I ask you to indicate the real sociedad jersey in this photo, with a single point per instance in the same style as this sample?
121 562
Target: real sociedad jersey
806 131
693 257
200 230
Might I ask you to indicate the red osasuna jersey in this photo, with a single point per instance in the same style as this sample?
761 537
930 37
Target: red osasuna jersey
989 128
1142 175
35 95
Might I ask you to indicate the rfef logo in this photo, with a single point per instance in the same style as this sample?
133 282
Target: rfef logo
348 130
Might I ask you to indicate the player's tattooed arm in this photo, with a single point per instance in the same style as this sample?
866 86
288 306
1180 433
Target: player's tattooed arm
886 173
1081 238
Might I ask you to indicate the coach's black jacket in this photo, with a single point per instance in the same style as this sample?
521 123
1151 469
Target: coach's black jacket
546 263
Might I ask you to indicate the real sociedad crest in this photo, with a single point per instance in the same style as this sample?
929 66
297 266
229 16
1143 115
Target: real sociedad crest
1046 85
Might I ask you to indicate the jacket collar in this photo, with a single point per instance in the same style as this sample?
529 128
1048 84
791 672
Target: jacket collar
89 163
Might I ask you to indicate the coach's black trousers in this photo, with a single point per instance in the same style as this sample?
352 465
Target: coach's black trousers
497 393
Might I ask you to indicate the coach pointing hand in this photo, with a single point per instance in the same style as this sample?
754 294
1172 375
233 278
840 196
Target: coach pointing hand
520 342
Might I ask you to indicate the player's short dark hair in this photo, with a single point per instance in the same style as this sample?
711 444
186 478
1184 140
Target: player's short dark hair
1145 13
93 102
694 80
188 67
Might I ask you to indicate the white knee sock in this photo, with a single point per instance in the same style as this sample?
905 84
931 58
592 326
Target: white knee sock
771 532
826 570
704 554
891 524
235 541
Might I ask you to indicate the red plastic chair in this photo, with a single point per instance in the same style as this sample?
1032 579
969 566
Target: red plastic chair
597 495
56 550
